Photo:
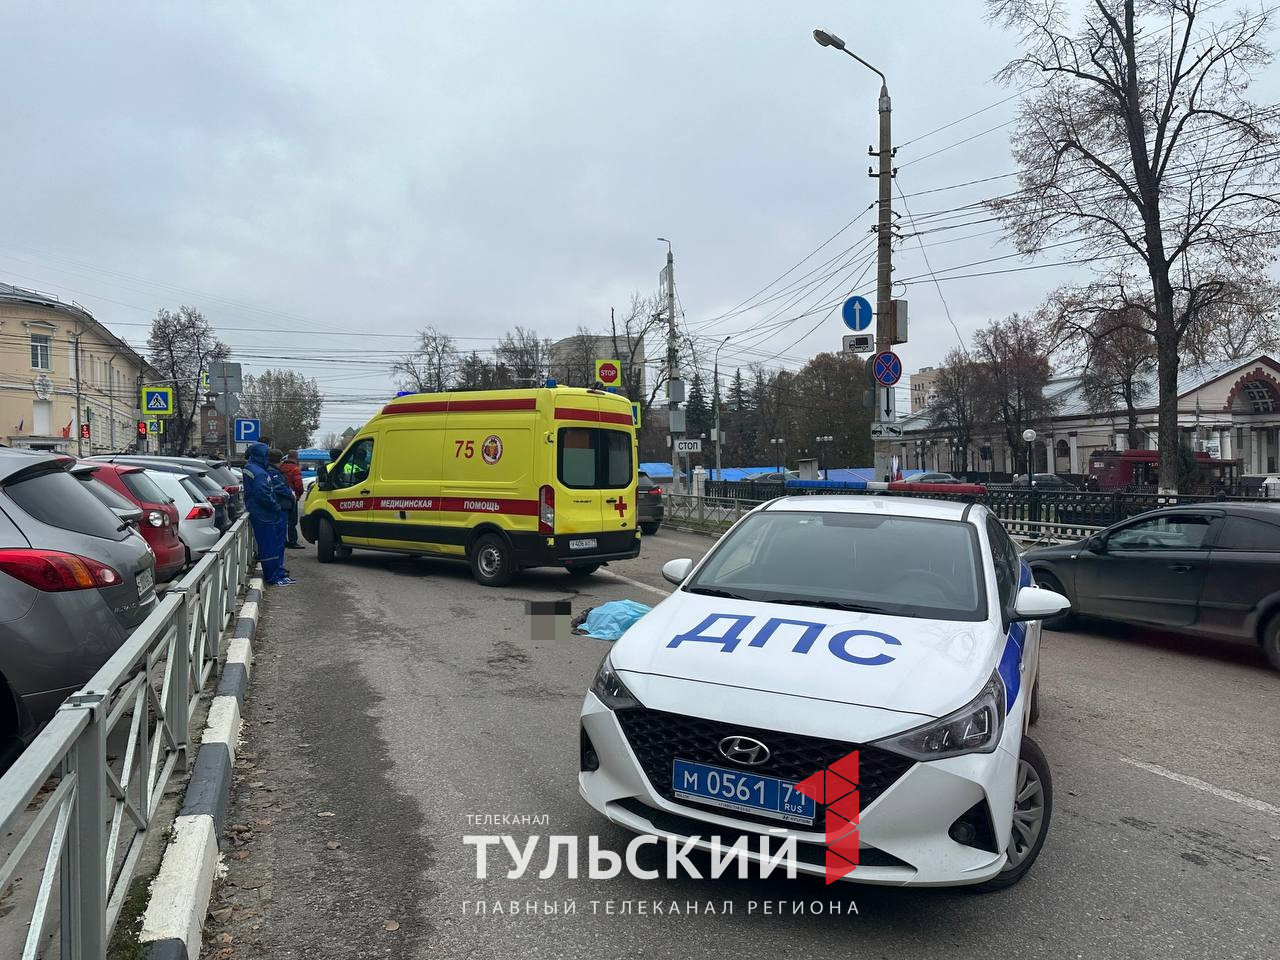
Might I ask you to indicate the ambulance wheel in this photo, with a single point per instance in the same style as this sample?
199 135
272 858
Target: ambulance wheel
583 569
491 562
327 545
1032 809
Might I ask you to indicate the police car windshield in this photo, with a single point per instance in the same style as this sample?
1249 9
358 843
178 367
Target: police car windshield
898 566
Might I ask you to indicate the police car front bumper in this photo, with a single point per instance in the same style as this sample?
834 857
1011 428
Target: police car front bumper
904 832
535 550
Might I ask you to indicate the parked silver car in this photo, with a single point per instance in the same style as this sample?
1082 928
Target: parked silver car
74 581
197 517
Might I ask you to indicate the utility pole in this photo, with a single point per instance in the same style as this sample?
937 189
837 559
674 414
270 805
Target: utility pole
884 272
79 400
673 366
226 397
715 402
885 407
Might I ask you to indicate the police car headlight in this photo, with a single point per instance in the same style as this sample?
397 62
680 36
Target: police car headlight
609 688
974 728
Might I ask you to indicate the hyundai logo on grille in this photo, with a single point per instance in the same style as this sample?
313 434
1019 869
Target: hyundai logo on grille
744 750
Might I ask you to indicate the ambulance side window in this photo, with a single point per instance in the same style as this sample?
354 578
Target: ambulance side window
589 458
353 468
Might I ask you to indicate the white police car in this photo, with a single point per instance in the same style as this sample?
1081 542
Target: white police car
905 629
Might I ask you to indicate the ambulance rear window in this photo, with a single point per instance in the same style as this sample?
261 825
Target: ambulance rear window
594 459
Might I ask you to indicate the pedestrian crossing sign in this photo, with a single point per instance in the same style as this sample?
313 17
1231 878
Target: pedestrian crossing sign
157 401
155 426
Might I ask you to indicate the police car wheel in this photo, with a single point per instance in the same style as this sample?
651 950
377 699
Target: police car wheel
491 561
1032 810
583 569
326 541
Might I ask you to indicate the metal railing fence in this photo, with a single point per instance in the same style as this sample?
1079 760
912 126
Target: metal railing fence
90 796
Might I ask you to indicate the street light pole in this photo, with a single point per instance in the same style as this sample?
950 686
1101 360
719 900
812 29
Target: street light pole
1029 436
884 239
715 400
673 363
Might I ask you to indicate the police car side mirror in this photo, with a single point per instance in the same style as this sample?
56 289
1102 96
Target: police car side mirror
1037 603
676 571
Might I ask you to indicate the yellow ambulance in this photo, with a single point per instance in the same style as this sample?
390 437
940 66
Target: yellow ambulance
505 479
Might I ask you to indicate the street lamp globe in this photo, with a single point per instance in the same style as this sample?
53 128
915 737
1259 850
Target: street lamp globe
1029 435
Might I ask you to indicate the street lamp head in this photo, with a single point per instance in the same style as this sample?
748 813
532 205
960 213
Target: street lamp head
828 39
1029 435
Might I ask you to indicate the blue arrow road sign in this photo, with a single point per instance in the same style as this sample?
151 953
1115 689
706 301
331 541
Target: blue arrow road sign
886 368
248 430
857 314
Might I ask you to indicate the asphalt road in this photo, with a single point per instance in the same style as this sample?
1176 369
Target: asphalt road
394 697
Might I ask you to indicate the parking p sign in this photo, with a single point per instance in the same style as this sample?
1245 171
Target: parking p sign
248 431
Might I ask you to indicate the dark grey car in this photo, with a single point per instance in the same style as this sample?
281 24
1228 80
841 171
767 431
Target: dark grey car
1211 569
74 581
648 504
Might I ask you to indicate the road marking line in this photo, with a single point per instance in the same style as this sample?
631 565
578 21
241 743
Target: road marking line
1231 795
638 583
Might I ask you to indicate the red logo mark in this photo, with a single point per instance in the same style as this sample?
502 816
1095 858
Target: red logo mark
621 506
837 788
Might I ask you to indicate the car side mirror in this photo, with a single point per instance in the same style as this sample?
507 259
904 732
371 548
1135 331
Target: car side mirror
1037 603
322 477
677 571
1096 544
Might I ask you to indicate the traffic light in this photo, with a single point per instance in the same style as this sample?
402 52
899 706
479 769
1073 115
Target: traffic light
84 431
142 429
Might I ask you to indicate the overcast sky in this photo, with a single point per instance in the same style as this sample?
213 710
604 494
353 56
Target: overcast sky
313 174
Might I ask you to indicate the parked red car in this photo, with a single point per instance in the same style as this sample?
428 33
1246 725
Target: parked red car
159 526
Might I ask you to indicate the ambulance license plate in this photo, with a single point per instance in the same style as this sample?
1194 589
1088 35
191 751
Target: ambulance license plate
587 543
741 791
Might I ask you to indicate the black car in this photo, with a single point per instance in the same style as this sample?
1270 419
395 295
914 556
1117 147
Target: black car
648 504
1044 481
1212 570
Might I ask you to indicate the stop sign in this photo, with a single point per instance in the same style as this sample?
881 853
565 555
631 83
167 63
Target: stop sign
608 373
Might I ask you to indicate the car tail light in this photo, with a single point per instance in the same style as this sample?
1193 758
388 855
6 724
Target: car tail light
54 571
156 518
547 511
216 500
201 511
232 490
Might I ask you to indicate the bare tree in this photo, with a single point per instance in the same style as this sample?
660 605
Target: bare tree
1243 323
525 355
955 408
287 404
641 324
1009 384
1119 362
331 440
181 346
1140 145
431 366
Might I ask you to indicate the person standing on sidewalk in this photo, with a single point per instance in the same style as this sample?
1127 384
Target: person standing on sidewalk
293 476
284 497
265 513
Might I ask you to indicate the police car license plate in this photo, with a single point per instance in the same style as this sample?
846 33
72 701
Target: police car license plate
146 581
588 543
741 791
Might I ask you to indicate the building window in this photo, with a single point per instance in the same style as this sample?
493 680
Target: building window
41 351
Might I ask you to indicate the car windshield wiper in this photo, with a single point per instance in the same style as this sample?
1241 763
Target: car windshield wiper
827 604
716 592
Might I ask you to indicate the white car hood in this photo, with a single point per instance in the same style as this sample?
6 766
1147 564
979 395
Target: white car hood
935 666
